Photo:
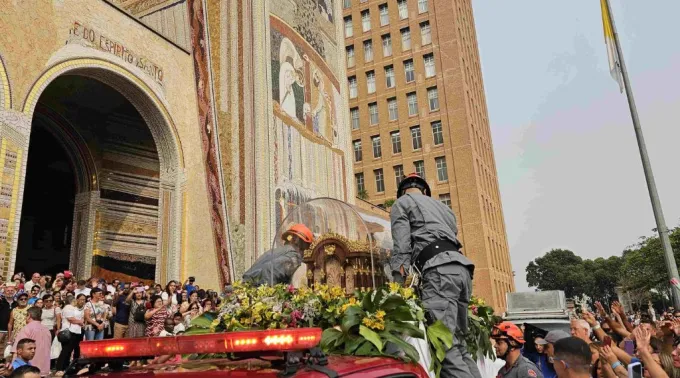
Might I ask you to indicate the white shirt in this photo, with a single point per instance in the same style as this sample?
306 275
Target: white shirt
49 317
164 297
179 328
72 312
29 285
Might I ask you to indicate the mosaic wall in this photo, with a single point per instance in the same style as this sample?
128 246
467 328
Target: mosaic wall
308 107
279 153
10 162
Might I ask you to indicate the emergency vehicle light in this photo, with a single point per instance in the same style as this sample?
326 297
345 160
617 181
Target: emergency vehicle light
227 342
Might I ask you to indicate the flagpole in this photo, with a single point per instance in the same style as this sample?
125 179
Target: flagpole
647 167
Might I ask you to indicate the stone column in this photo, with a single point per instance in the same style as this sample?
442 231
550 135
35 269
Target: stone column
84 233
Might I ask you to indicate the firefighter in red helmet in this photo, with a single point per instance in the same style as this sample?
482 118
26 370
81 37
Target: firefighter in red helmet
279 264
509 341
425 240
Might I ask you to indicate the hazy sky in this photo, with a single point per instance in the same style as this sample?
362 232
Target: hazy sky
568 164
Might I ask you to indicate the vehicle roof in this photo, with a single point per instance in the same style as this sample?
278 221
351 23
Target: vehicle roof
342 365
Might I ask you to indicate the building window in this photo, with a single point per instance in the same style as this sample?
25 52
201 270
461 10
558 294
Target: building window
412 101
354 115
437 133
349 29
347 4
422 6
405 39
425 33
373 113
379 180
442 173
433 98
350 56
353 91
398 174
384 15
370 82
392 108
445 199
403 9
409 70
359 178
387 45
420 168
396 142
416 139
357 150
366 20
389 77
368 50
377 150
429 65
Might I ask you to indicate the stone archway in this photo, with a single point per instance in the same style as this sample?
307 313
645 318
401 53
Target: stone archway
152 110
5 93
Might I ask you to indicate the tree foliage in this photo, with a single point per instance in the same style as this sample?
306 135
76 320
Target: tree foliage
639 269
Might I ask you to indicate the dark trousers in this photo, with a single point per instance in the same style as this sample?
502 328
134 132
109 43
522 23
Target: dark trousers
72 346
445 292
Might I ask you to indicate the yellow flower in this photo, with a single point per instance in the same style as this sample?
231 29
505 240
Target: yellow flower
380 314
407 293
367 322
394 287
337 292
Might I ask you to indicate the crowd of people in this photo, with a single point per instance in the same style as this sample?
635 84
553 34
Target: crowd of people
604 344
44 319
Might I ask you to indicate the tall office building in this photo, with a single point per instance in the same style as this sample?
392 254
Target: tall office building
417 104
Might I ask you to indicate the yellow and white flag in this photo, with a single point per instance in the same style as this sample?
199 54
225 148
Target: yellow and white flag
614 60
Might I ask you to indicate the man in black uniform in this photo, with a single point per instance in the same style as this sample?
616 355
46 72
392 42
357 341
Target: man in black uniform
509 341
425 238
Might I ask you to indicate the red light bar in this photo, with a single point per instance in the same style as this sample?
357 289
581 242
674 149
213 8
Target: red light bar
227 342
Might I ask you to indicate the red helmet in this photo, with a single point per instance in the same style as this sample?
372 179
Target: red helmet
507 331
413 181
301 231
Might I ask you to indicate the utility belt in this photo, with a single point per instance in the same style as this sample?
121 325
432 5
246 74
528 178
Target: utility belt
433 249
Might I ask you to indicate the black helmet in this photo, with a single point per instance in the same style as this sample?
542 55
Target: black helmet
413 181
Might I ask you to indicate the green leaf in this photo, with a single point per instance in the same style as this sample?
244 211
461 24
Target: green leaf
329 339
366 349
402 314
411 352
439 331
352 344
197 331
405 328
203 321
392 302
371 336
367 303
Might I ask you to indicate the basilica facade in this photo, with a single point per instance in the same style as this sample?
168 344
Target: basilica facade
161 139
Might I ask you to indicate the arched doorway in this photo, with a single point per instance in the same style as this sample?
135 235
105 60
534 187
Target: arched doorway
124 165
47 214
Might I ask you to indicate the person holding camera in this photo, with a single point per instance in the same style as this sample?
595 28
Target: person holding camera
136 323
121 318
189 285
95 314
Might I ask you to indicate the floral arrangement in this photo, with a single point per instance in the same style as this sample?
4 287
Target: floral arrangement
481 320
369 323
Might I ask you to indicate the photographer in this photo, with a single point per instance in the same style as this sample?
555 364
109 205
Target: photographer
95 313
